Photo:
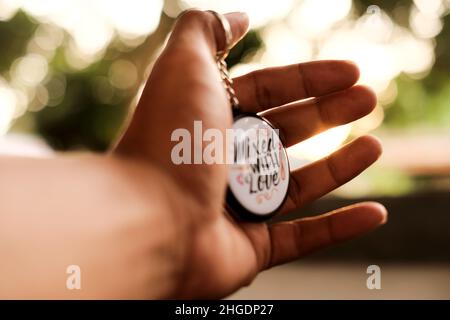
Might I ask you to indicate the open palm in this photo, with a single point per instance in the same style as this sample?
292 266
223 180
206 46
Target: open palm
216 254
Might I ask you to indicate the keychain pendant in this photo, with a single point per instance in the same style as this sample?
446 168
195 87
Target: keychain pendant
258 178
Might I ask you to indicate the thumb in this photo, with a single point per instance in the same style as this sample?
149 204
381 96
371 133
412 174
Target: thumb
195 25
186 67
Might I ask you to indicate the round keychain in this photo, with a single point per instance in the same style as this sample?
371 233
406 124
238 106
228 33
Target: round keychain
258 177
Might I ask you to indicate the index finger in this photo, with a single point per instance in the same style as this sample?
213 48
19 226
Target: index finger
272 87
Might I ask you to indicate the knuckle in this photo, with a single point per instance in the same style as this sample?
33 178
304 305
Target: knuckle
193 16
324 112
333 171
295 192
199 21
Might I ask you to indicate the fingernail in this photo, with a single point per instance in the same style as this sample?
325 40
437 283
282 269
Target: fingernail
383 211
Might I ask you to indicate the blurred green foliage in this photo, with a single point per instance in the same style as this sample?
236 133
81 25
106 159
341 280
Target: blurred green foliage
425 102
13 38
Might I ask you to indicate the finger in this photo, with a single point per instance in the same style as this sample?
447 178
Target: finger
195 28
272 87
318 178
301 120
294 239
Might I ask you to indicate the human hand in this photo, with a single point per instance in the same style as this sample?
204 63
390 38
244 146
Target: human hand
213 254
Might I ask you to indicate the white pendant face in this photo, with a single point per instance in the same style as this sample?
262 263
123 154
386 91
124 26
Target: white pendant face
259 175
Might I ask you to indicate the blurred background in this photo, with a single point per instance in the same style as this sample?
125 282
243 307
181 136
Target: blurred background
71 71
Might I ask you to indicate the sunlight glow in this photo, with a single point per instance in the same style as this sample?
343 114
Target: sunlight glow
260 12
423 25
92 23
283 46
306 16
131 18
320 145
8 9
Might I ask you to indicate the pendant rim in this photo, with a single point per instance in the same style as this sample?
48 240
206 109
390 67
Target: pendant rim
233 205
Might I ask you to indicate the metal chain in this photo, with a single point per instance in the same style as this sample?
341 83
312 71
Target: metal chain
227 82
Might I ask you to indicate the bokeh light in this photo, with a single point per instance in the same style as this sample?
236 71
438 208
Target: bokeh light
7 103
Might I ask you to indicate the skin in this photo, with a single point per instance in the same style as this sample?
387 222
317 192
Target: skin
140 226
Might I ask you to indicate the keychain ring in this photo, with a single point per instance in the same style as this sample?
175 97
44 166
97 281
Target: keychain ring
222 53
